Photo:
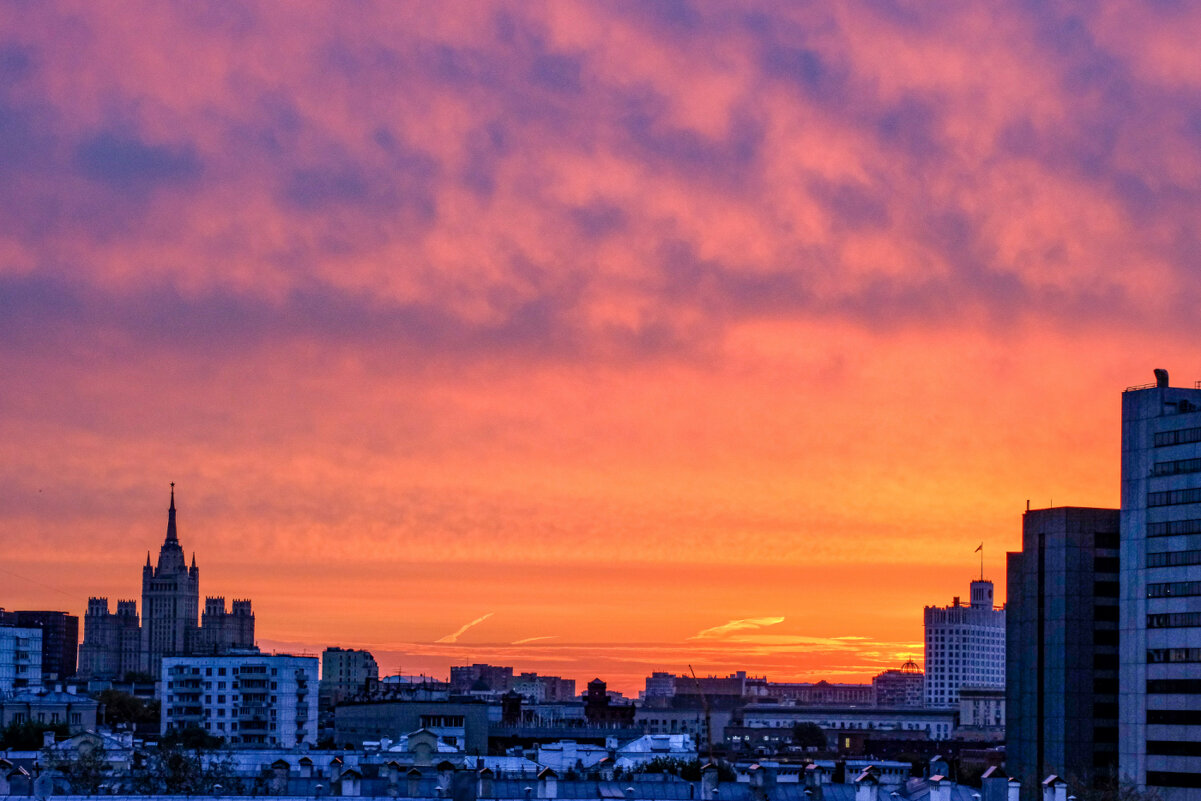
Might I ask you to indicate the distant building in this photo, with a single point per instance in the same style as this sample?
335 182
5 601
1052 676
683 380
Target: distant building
1062 646
965 646
934 724
822 693
168 626
221 630
462 723
247 699
347 672
901 689
481 678
981 714
544 689
1159 739
599 708
60 640
112 643
20 658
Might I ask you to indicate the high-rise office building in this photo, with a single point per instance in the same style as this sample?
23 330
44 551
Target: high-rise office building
1159 720
1061 620
965 647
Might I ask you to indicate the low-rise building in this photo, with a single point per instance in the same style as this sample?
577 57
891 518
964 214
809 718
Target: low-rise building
52 708
936 724
247 699
462 723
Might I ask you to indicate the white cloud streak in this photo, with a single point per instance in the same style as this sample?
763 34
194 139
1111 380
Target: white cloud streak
456 635
733 626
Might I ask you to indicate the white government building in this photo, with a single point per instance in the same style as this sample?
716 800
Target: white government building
965 647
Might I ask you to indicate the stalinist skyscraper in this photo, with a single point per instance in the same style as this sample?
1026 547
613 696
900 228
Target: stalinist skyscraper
170 600
115 645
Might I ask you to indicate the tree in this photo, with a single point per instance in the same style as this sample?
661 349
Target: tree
124 708
808 735
86 769
28 736
193 738
176 770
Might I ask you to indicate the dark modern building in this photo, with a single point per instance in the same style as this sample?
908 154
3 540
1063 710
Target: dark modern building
1062 647
1160 702
60 641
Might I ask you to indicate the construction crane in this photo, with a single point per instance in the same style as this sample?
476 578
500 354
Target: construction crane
708 722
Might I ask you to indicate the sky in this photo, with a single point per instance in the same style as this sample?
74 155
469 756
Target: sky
591 338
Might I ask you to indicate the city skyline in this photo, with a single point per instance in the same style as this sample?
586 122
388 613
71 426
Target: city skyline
639 336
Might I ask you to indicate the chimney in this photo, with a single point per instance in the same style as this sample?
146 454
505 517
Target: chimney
548 784
708 781
866 785
1055 788
940 788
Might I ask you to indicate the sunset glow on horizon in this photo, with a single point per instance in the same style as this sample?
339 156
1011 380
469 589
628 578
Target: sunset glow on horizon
587 338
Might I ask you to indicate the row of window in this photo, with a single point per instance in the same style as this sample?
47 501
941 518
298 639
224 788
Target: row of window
1181 436
1174 620
1168 528
1177 467
1175 717
1173 558
1174 589
1157 655
1165 778
1174 497
1174 686
1174 747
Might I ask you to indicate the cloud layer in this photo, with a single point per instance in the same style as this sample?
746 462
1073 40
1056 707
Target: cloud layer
543 285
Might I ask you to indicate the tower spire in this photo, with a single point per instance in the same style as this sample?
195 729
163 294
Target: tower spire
172 536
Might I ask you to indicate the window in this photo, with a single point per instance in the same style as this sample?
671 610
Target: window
1174 620
1174 589
1174 497
1173 558
1181 436
1168 528
1176 467
1158 655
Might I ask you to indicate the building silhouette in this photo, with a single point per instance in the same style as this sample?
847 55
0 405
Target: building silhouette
115 645
1159 705
1062 648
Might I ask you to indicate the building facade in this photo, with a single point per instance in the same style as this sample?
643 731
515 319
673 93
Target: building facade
1159 703
252 699
965 647
347 672
20 659
1062 646
60 640
901 689
77 712
112 642
115 645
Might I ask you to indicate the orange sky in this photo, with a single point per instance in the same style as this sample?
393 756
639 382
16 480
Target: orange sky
611 322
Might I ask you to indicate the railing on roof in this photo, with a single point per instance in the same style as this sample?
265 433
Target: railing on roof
1137 387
